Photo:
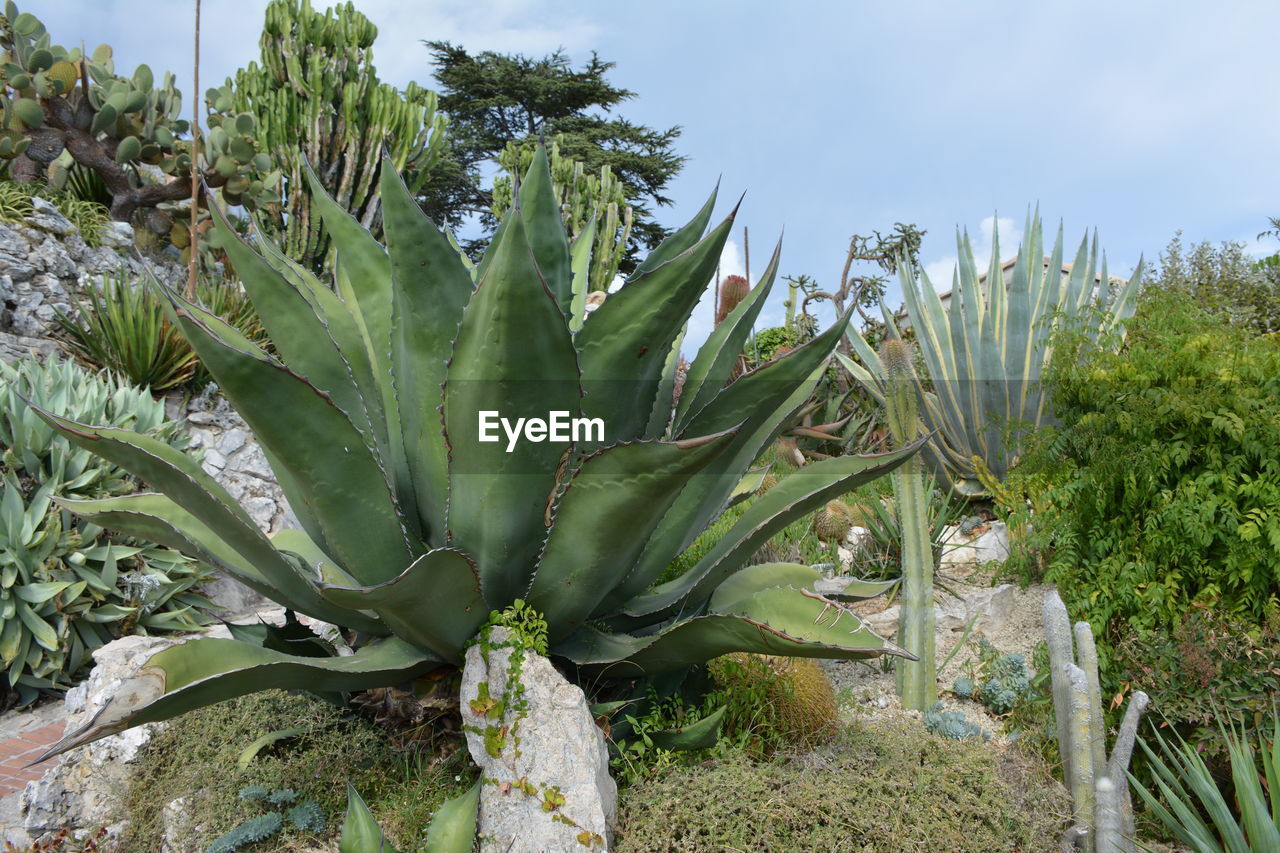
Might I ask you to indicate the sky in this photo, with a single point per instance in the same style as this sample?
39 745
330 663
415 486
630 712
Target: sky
1138 119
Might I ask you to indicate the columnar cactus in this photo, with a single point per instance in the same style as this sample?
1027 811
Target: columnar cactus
916 680
317 94
1098 785
593 207
61 107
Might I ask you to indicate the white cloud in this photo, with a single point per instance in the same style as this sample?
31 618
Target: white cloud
530 27
1260 247
941 271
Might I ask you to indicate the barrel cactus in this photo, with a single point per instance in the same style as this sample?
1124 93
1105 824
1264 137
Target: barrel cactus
415 526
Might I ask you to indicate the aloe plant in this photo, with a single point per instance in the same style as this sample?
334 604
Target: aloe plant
414 529
984 351
1185 791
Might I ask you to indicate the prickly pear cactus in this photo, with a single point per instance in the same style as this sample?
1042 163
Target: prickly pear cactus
60 107
317 96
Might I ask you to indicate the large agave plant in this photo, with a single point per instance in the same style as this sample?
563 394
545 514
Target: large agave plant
414 529
984 351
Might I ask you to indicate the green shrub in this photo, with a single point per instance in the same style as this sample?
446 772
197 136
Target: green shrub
766 343
123 328
1210 665
1157 510
1224 280
68 587
875 783
1163 485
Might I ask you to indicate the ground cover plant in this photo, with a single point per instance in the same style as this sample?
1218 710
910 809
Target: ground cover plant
199 756
873 782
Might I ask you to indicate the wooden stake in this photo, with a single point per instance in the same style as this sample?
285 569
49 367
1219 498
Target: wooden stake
194 246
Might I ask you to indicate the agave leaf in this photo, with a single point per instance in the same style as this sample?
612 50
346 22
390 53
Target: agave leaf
748 485
435 603
453 828
702 734
750 580
775 621
204 671
540 213
298 333
716 359
681 241
664 402
366 282
363 275
346 489
773 394
625 342
341 324
580 267
704 498
514 357
360 832
637 482
319 565
755 396
430 289
182 479
157 518
793 497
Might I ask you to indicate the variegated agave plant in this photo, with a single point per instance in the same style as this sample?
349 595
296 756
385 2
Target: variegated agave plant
413 529
985 349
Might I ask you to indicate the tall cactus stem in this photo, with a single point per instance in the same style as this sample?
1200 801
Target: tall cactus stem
1057 632
1081 783
1099 787
1121 753
1109 837
1087 659
917 682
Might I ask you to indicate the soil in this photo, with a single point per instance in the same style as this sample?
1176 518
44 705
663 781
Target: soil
870 686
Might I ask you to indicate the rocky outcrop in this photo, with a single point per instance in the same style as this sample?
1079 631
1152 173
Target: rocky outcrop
988 544
543 761
81 790
45 263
